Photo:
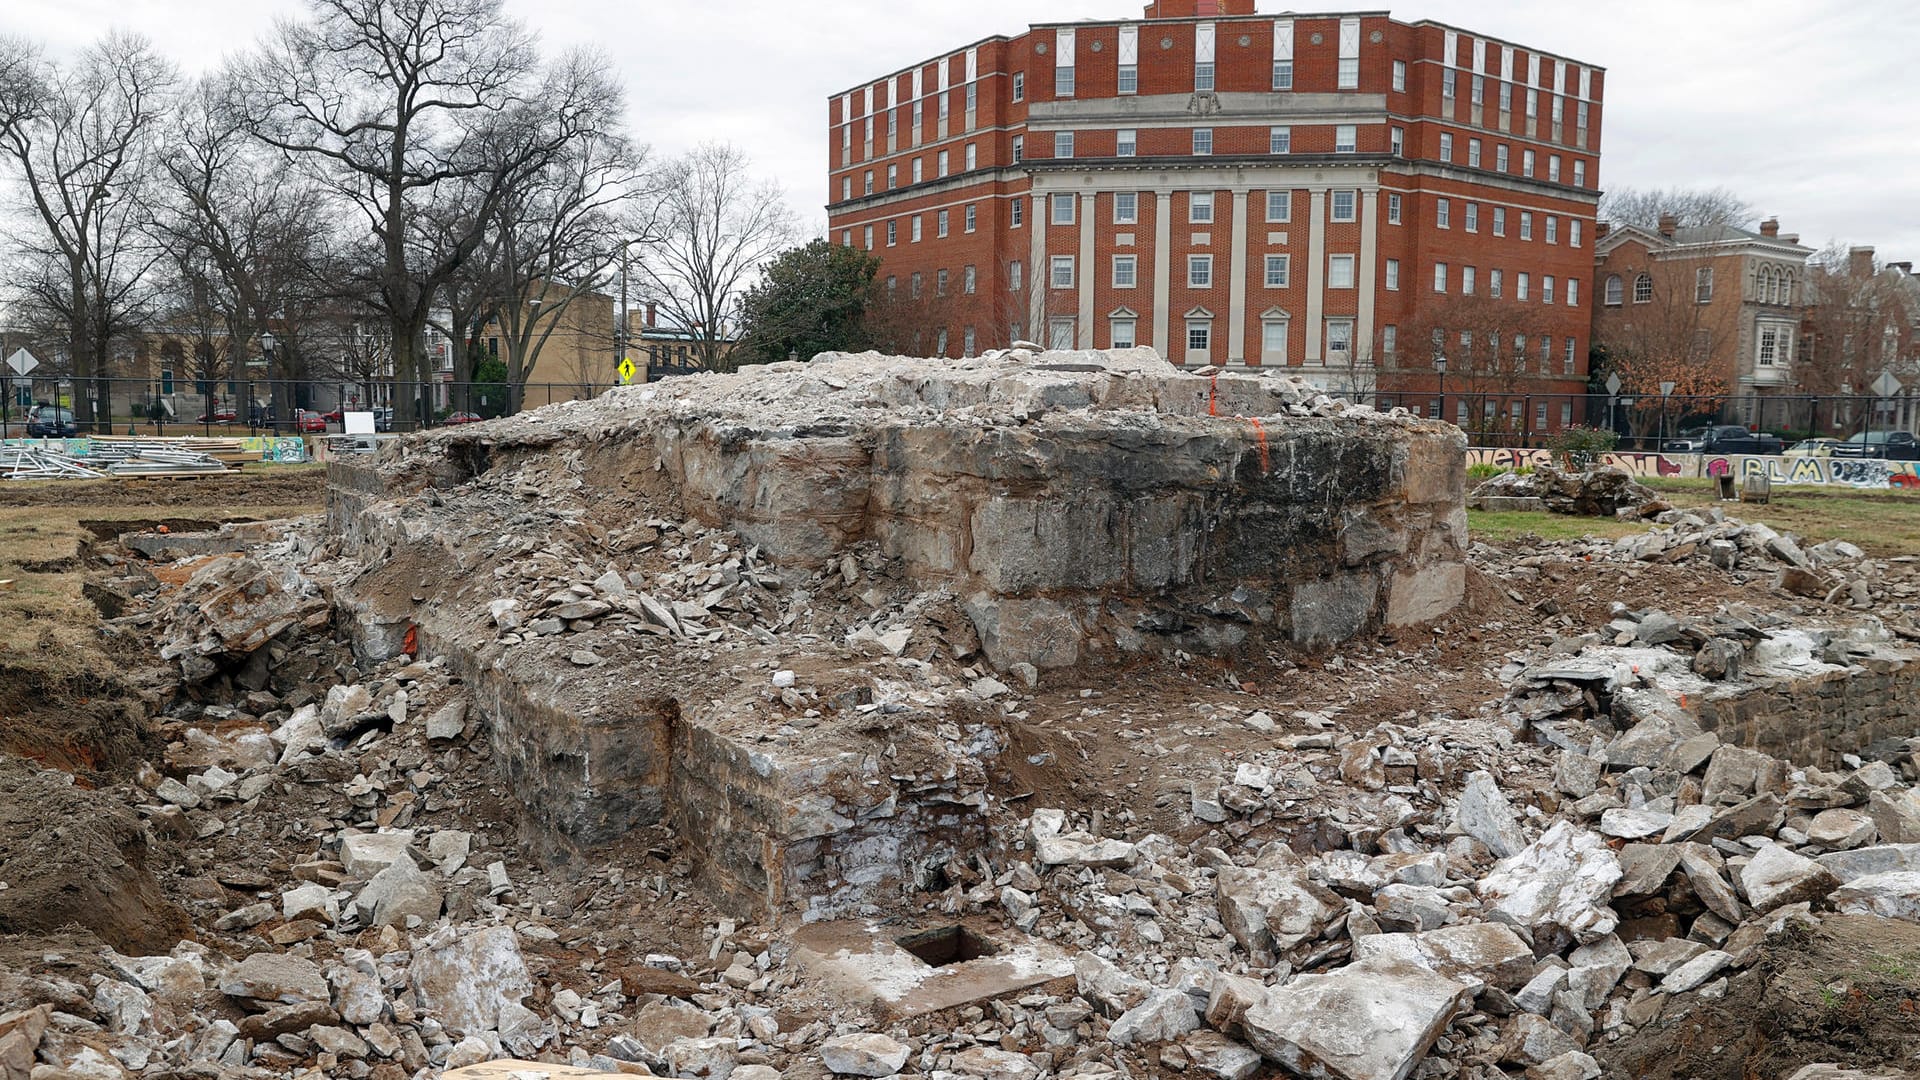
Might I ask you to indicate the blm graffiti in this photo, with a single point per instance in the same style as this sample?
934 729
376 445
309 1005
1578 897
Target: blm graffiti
1786 471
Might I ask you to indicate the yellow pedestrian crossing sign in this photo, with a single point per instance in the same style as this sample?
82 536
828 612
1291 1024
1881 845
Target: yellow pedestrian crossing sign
626 370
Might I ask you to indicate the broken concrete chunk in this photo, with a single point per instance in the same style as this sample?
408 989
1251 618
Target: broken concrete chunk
1478 954
448 721
1883 859
276 978
1105 986
1775 877
1893 895
398 893
1696 972
1164 1016
1359 1022
366 854
1559 884
864 1055
468 981
1271 911
1485 814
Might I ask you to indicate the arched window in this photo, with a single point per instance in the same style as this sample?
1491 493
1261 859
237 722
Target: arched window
1786 289
1615 291
1643 289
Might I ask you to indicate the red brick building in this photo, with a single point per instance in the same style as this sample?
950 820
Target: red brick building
1307 191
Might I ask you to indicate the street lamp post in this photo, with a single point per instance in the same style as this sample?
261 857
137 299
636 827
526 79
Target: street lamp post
1666 397
1440 367
266 348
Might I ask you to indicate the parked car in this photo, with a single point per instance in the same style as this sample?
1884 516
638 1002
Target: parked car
1811 448
382 418
304 421
1724 439
219 415
1892 445
463 418
50 422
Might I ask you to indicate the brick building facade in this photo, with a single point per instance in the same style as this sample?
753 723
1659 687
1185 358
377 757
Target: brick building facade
1300 191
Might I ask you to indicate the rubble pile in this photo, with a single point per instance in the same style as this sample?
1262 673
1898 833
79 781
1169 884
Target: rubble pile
522 760
1601 491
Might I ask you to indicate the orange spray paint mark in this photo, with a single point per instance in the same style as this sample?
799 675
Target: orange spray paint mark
1260 433
411 646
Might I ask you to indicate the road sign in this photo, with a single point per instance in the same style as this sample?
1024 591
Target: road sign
22 362
1886 385
626 370
1614 384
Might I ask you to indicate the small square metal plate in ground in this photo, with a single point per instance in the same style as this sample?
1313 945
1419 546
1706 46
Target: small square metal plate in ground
947 945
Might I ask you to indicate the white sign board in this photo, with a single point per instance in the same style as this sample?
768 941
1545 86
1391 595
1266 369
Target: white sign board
357 423
1886 385
22 362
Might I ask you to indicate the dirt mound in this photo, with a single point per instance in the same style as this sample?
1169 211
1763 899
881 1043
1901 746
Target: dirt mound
71 856
1847 992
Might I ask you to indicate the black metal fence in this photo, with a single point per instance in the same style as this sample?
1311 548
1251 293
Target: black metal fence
1491 418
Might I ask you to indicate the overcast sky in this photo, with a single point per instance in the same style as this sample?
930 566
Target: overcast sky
1807 108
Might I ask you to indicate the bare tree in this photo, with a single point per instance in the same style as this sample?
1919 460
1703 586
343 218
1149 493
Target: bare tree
1668 338
1491 349
80 138
716 227
417 113
1859 323
1691 207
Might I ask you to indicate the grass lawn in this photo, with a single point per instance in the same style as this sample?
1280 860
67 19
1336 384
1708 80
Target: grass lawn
1885 523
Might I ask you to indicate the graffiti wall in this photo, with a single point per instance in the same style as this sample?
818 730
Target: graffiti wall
1842 472
280 449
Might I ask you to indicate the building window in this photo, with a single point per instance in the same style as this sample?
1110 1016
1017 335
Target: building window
913 232
1473 153
1345 138
1496 283
1580 173
1273 342
940 283
1019 149
1397 141
1439 277
1546 353
1522 287
940 342
1769 346
1199 271
1202 141
1199 338
1573 232
1203 78
940 224
1277 267
1019 86
1016 276
1342 206
1643 289
1060 333
1546 289
1062 203
1389 340
1553 168
1567 363
846 188
913 285
1129 78
1349 73
1526 163
1703 285
1120 332
1062 271
1479 90
1526 225
969 280
973 157
846 237
1473 217
1615 291
867 184
1280 140
1017 213
1339 271
1399 76
1126 144
1506 97
1393 275
1469 280
1062 145
869 237
966 349
1393 209
1200 207
944 163
1126 273
1283 74
919 170
1449 80
893 233
1553 229
1499 221
1443 214
1126 207
1446 147
1340 341
1500 161
1573 292
1279 206
1062 82
972 216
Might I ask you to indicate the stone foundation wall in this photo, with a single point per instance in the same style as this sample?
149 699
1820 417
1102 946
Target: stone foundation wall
1814 720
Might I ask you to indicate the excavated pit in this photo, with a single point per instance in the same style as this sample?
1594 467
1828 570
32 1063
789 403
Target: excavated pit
1015 513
